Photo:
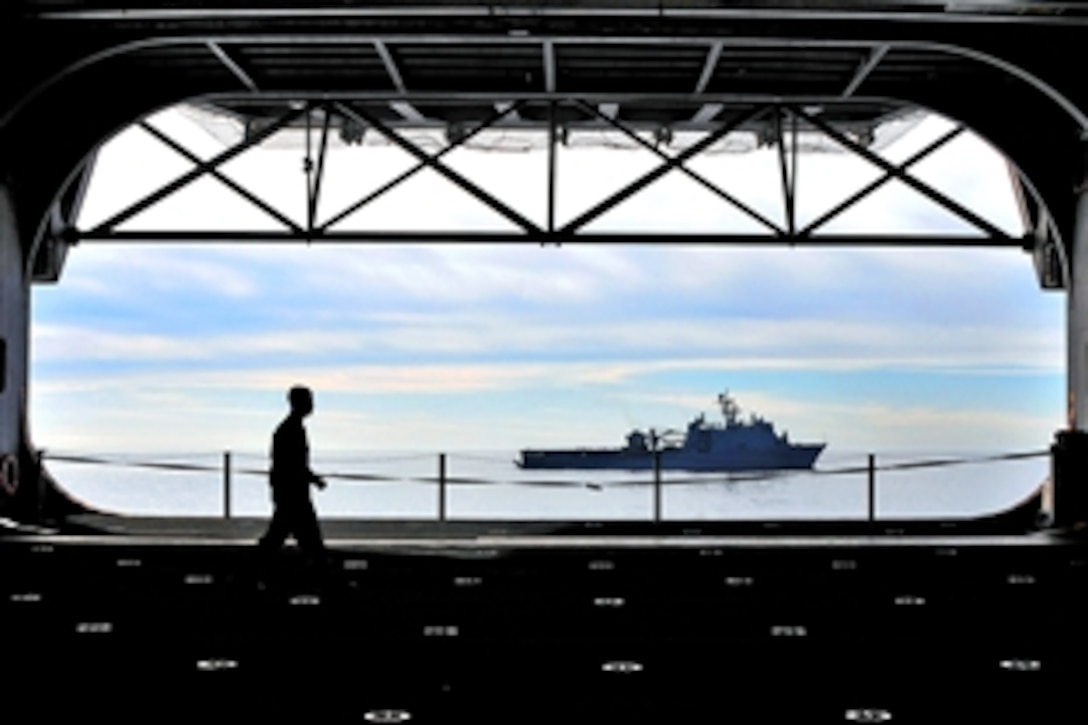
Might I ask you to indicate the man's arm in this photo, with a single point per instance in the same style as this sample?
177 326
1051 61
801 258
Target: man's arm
310 475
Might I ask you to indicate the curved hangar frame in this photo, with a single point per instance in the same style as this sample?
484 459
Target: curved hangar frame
85 70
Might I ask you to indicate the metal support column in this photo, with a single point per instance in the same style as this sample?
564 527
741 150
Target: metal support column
1069 476
14 343
1078 316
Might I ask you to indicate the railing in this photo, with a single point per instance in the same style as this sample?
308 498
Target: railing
443 480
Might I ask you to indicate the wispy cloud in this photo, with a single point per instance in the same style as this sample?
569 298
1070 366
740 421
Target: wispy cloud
371 407
447 338
131 273
80 344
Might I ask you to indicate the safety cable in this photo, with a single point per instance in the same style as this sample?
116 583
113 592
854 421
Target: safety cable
691 478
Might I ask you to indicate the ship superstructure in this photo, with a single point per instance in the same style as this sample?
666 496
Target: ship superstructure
733 445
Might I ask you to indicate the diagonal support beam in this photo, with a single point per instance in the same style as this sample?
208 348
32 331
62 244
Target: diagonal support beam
865 68
706 113
390 64
504 106
709 65
708 110
201 169
465 184
405 109
874 185
695 176
922 188
233 66
220 176
655 174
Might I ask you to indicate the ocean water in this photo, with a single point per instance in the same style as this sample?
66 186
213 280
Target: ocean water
488 485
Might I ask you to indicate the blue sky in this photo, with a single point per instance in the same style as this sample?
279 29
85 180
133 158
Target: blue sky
150 348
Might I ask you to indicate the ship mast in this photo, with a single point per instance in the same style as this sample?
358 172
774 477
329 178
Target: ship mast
730 410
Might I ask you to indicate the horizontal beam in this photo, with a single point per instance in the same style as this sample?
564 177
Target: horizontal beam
868 13
264 98
556 237
704 114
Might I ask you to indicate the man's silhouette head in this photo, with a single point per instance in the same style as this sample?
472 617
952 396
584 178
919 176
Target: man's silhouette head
301 400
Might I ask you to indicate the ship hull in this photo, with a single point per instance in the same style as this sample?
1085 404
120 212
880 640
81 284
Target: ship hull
798 457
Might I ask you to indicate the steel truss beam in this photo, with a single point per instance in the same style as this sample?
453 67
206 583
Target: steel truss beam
869 188
450 174
200 169
420 165
784 120
543 237
233 185
889 168
669 162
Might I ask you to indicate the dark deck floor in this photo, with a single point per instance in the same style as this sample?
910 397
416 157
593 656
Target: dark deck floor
499 623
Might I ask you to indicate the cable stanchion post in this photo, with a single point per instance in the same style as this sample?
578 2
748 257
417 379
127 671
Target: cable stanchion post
441 486
226 484
872 488
657 485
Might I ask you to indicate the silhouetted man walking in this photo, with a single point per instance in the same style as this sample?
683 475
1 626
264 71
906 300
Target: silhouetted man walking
290 477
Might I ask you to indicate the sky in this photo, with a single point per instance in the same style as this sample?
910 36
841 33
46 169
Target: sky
474 347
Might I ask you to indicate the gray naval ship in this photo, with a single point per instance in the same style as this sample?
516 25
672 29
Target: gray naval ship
736 445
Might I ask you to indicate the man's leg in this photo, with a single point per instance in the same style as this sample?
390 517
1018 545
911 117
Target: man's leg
308 534
278 529
307 530
272 540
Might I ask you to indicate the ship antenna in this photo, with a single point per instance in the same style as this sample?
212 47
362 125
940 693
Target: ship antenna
730 411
